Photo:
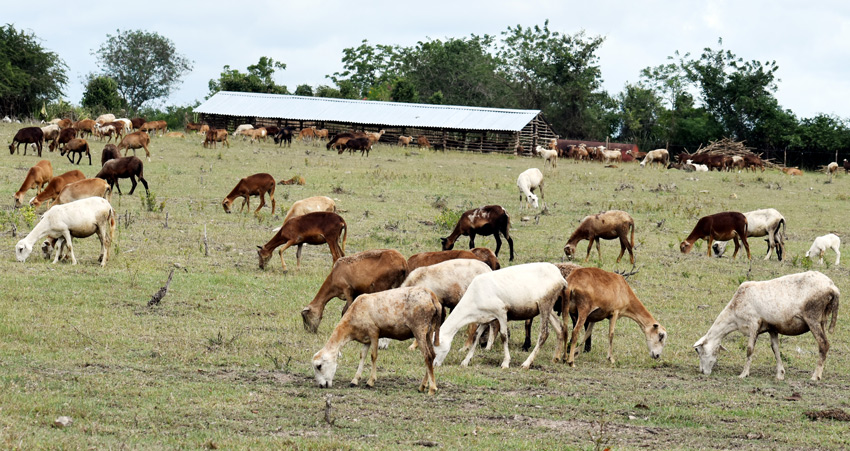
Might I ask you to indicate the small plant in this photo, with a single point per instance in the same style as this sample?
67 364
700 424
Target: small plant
448 218
149 202
600 437
439 202
806 263
221 341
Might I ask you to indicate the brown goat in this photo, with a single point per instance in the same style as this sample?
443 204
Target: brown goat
594 295
215 136
37 177
65 136
422 141
85 126
79 146
729 225
487 220
364 272
432 258
123 168
110 152
404 141
94 187
313 228
136 140
608 225
137 122
253 185
64 123
27 136
792 171
51 192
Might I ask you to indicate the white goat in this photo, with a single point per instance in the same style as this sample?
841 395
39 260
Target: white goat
789 305
241 129
400 313
660 156
832 168
105 118
549 156
821 244
767 222
609 156
527 182
518 292
81 219
698 167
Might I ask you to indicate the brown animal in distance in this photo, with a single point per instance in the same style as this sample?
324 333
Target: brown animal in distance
253 185
725 226
313 228
609 225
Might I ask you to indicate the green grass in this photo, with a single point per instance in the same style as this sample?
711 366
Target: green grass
223 361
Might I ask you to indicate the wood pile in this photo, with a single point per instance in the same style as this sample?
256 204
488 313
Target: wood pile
729 147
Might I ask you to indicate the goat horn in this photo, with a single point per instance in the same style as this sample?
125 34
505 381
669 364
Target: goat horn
625 274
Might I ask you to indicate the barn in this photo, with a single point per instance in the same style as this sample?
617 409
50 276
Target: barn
445 126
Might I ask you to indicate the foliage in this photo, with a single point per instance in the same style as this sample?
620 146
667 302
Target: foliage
304 90
259 78
327 91
30 76
101 95
152 72
366 66
175 115
404 90
639 115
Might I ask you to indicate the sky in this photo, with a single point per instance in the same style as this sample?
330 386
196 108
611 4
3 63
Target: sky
809 40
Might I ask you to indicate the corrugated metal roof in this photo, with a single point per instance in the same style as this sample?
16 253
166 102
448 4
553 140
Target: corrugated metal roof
275 106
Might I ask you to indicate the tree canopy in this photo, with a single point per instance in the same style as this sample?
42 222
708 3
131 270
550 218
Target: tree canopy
145 65
101 94
259 78
30 75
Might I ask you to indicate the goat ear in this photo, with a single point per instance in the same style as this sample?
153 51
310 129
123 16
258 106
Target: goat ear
259 247
699 342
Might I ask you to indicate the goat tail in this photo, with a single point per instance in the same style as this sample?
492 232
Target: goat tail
782 225
834 307
344 236
632 226
437 319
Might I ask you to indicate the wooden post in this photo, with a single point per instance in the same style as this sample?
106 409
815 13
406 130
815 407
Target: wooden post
785 157
445 136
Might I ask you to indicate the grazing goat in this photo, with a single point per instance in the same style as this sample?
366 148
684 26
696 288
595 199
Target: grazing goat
241 129
175 135
85 126
364 145
821 244
364 272
487 220
527 182
253 185
766 222
80 219
313 228
725 226
607 225
594 295
27 136
610 156
404 141
136 140
285 135
400 314
431 258
65 136
137 122
54 187
79 146
515 293
215 136
549 156
37 177
422 141
832 169
63 123
788 305
123 168
339 140
51 133
110 152
660 156
792 171
93 187
156 126
310 205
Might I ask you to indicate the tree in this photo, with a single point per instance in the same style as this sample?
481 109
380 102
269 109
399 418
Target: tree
145 65
258 79
366 66
404 91
559 74
639 116
30 76
304 90
101 94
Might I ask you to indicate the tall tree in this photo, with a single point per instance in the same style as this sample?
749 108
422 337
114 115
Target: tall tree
259 78
639 116
559 74
366 66
145 65
101 94
29 74
304 90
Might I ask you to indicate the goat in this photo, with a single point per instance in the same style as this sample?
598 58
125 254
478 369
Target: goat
729 225
37 177
549 156
27 136
105 118
607 225
110 152
788 305
422 141
404 141
285 135
313 228
93 187
611 156
527 182
85 126
517 293
364 272
364 145
136 140
594 295
215 136
792 171
65 136
487 220
253 185
432 258
80 219
766 222
123 168
54 187
821 244
660 156
51 133
399 314
79 146
137 122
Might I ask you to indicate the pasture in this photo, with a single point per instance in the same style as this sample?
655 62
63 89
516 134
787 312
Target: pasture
224 362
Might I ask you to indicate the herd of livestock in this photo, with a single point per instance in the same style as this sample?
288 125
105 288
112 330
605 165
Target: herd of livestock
389 296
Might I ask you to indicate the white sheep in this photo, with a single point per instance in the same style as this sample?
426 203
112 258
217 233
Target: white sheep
81 219
698 167
241 129
789 305
527 182
400 313
549 156
518 292
821 244
660 156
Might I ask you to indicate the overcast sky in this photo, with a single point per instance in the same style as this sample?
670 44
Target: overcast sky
810 40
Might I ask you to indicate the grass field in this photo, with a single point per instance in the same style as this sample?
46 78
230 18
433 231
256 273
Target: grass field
223 361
